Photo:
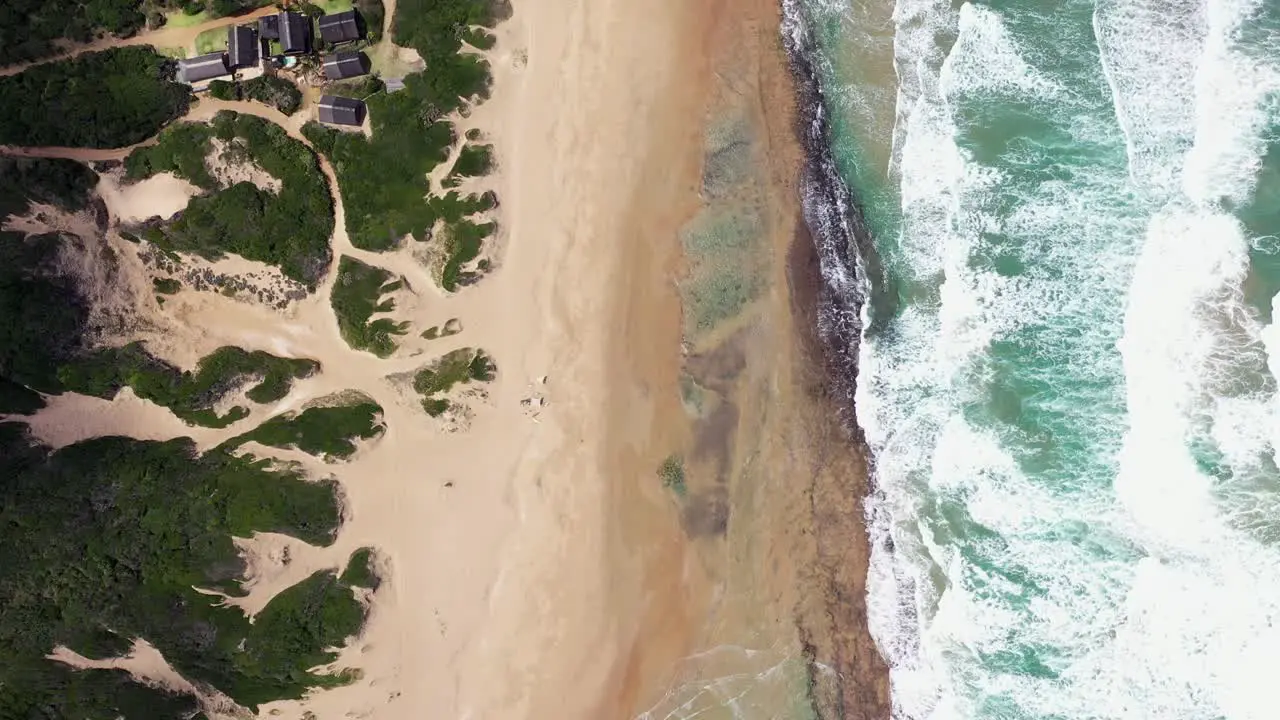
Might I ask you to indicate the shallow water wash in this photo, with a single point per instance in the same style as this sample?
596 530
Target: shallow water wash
1067 375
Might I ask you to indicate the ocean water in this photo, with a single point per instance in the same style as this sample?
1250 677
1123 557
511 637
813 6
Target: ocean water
1067 361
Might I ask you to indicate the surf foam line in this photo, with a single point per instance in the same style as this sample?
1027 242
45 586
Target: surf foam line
834 219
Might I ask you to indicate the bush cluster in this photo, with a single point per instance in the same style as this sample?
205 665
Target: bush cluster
463 365
383 179
28 28
356 297
190 395
106 99
323 431
290 229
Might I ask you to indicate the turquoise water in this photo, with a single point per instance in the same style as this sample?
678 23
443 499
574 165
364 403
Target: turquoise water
1067 376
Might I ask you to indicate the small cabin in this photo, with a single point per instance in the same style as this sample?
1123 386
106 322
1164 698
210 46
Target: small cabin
337 110
341 27
343 65
295 33
203 67
242 47
269 27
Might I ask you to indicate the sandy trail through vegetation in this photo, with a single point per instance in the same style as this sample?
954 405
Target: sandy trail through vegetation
166 37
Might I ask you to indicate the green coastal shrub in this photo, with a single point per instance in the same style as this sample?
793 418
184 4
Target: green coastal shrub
107 540
460 366
180 149
107 99
28 28
356 297
190 395
322 431
361 570
290 228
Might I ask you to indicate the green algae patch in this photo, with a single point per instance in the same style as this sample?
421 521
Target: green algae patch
725 269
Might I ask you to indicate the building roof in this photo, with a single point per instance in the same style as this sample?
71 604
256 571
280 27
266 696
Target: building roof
345 65
242 46
269 27
203 67
341 27
295 32
337 110
393 84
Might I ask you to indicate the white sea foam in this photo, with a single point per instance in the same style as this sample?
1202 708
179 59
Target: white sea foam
1201 613
1149 55
930 618
1061 576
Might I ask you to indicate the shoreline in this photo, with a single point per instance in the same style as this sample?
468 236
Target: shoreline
831 257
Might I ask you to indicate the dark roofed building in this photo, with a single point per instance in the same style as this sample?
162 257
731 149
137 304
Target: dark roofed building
242 47
342 65
341 27
269 27
203 67
295 32
336 110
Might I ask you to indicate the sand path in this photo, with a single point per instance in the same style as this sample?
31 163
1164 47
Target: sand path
165 37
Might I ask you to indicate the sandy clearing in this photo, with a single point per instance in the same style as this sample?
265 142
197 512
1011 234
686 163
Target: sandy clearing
147 666
161 195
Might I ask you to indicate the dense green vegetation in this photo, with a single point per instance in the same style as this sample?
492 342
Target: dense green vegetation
361 571
166 286
29 27
473 161
373 14
383 179
106 540
323 431
43 314
452 326
18 399
190 395
356 297
181 150
290 229
460 366
270 90
105 99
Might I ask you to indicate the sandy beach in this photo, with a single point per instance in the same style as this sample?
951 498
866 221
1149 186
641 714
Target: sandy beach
535 565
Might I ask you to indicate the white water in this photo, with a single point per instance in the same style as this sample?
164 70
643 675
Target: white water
1166 602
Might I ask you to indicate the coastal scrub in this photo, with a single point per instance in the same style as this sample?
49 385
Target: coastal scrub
108 540
463 365
189 395
329 432
290 228
105 99
356 298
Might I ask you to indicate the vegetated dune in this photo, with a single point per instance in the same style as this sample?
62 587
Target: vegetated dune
533 565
